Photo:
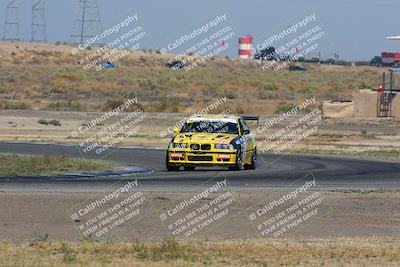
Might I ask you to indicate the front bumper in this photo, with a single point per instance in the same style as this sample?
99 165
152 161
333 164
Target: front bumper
202 158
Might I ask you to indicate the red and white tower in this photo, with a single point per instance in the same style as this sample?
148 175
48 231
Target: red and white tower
246 47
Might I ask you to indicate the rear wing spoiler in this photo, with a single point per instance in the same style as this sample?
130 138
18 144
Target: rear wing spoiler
251 118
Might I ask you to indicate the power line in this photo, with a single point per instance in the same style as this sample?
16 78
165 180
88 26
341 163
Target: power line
88 23
38 26
11 27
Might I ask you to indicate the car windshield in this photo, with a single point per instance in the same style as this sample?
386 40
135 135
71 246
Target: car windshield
210 127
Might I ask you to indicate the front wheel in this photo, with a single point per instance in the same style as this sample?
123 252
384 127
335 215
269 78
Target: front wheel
239 163
189 168
171 166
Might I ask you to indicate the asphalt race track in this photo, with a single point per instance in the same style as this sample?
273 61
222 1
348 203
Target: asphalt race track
273 171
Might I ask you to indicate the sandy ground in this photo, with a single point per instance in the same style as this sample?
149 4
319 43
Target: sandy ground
25 216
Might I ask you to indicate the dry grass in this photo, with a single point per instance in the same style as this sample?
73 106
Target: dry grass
366 252
15 165
49 77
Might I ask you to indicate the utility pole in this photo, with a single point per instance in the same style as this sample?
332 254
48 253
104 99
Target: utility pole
88 23
39 33
11 26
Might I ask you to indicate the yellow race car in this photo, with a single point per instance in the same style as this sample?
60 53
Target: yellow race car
213 140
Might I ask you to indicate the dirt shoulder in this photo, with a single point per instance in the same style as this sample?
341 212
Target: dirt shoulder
24 216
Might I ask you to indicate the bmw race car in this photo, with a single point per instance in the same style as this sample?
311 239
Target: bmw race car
213 140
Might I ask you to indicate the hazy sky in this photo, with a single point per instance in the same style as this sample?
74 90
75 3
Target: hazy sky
355 29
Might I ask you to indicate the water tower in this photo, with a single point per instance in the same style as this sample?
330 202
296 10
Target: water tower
246 47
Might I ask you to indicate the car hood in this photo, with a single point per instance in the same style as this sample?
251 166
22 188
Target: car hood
202 138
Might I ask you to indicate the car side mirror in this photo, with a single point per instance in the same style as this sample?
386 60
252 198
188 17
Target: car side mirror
246 131
176 130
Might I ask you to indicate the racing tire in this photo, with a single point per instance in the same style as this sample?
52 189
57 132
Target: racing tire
253 164
239 162
172 167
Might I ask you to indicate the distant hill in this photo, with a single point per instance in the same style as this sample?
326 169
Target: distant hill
49 77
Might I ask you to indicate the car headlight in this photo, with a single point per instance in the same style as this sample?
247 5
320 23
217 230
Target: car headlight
177 145
224 146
